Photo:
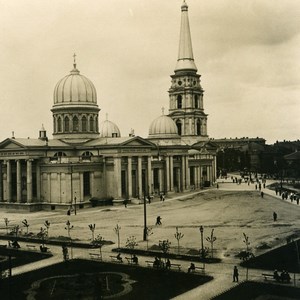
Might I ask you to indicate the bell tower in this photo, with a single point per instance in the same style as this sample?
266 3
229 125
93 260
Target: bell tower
186 94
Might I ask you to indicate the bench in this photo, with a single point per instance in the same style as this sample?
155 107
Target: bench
271 276
200 269
116 259
31 247
175 266
95 256
130 261
149 263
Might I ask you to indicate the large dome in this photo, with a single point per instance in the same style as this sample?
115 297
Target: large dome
109 129
163 126
75 89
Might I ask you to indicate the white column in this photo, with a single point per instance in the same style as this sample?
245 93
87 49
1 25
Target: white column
187 173
19 182
149 175
8 180
140 192
171 174
81 198
1 182
129 177
166 187
161 181
38 182
183 173
117 175
29 180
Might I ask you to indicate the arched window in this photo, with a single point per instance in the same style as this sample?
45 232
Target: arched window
67 124
87 154
83 120
54 124
179 101
91 124
75 124
196 100
97 129
198 127
179 127
60 154
59 124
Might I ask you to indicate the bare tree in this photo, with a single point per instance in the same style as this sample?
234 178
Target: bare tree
26 224
211 240
117 231
6 221
148 233
92 229
178 236
47 225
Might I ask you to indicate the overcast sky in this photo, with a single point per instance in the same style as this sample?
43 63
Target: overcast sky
247 52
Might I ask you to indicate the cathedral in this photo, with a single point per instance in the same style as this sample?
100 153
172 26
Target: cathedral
87 160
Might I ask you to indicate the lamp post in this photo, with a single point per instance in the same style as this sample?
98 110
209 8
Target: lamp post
202 247
145 220
75 205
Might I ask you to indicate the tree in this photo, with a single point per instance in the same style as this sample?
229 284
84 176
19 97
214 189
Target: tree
148 233
117 231
69 227
99 242
211 240
15 231
6 221
178 236
92 229
26 224
131 243
164 247
246 255
42 234
47 225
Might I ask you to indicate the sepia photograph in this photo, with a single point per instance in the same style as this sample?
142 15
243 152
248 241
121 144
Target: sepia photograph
150 149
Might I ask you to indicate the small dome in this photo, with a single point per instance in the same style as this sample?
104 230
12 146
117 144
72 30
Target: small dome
75 89
109 129
163 126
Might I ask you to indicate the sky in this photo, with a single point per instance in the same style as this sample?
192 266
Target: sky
247 53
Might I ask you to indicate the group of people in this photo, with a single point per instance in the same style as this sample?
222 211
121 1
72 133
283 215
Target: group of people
283 277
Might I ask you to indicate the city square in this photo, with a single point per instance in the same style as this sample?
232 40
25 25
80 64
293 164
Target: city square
188 213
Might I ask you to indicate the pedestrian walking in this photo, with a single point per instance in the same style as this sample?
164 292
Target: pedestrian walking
158 220
274 216
235 274
125 202
262 194
161 197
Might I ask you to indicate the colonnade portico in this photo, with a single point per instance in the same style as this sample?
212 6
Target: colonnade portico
11 189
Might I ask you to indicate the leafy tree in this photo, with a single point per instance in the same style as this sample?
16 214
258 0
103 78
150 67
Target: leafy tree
131 244
69 227
98 242
178 236
211 240
164 247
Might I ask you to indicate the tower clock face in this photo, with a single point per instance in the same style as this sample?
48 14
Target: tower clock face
179 82
194 82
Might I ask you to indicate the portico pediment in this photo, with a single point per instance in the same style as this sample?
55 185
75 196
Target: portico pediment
11 144
137 141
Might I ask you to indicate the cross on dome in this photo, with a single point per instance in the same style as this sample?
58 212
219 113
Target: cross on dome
74 61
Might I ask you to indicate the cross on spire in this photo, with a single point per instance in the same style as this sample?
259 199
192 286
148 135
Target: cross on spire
74 61
163 110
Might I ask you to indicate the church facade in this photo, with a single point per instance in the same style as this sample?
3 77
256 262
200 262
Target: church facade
85 159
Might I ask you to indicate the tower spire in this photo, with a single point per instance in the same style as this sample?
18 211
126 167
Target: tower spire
185 59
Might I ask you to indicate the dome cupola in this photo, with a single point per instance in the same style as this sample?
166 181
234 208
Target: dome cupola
109 129
163 127
75 110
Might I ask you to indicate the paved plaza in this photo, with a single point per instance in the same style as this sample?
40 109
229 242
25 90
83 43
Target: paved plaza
231 210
